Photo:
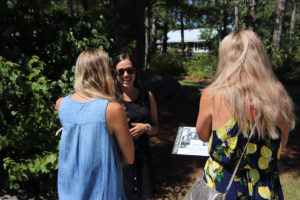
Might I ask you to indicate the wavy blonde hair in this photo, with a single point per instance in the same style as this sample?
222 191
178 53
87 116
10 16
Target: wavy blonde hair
93 77
245 76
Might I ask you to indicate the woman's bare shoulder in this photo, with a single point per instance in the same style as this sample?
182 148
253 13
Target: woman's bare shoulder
206 93
58 101
114 108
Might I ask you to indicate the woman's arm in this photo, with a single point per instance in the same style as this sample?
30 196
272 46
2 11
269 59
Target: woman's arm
117 125
204 120
285 131
153 115
141 128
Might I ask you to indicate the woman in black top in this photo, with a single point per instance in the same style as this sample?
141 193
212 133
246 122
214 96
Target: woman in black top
143 122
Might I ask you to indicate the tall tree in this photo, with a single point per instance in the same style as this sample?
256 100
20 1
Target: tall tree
70 8
222 24
182 33
292 27
84 4
253 14
158 12
165 35
278 26
147 37
140 30
153 35
236 15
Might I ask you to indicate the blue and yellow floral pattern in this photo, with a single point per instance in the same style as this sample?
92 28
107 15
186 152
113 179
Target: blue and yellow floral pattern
257 177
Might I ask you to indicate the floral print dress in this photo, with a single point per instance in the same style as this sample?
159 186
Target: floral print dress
257 176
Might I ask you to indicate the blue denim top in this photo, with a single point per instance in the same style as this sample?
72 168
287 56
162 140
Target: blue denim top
89 157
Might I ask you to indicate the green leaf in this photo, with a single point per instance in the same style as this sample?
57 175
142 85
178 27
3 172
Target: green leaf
51 159
34 86
13 112
10 4
31 75
42 80
94 32
16 186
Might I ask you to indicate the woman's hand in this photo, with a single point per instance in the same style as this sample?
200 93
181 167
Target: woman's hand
138 129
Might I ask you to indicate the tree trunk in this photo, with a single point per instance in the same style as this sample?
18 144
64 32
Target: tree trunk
278 26
292 29
182 33
139 31
147 38
253 14
70 8
165 37
84 4
219 27
224 18
236 15
222 24
153 36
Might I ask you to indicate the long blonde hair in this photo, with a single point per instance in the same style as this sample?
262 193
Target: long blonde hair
245 77
93 77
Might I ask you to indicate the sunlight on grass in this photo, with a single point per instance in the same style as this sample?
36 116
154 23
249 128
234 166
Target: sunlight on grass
191 84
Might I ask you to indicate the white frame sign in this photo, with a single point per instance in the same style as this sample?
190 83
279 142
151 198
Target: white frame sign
188 143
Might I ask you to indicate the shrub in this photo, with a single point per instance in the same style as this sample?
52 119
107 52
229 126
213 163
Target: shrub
204 66
28 122
171 64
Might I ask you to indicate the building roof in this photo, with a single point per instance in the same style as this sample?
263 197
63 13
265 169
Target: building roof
190 35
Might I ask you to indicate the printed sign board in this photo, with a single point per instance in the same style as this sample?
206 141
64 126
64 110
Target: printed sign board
188 143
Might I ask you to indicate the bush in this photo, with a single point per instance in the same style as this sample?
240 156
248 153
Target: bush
204 66
28 122
171 64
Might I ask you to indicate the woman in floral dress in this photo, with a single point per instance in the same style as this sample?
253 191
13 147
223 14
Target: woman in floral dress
244 80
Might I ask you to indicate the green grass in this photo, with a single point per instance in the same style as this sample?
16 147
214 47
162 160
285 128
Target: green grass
290 185
191 84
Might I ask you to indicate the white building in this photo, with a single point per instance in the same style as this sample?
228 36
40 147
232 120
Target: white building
194 39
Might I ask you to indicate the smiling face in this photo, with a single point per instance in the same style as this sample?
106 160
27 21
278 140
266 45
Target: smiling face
123 70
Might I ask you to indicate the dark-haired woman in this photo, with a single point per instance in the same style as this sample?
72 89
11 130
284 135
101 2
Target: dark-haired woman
142 117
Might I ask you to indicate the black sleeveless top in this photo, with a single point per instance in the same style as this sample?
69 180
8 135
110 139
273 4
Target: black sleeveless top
138 111
137 177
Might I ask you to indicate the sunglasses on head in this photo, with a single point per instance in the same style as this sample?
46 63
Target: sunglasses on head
129 70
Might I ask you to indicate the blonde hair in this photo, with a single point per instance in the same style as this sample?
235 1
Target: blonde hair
245 77
93 77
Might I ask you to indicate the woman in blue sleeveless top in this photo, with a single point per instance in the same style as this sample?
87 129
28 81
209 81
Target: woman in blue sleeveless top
95 137
244 80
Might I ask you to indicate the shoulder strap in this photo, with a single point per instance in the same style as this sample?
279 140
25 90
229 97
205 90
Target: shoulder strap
238 164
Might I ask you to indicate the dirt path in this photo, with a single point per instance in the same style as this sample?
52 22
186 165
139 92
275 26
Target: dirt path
174 174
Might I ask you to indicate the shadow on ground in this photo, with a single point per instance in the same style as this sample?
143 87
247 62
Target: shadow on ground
290 158
174 174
